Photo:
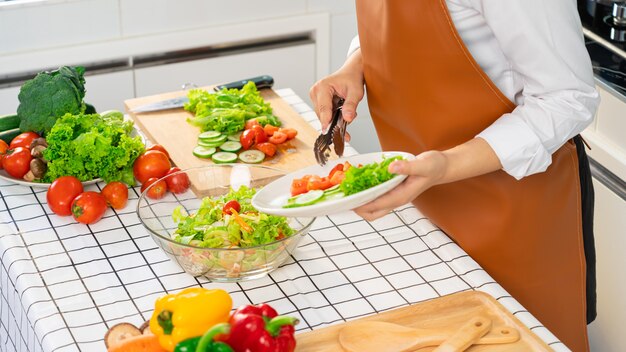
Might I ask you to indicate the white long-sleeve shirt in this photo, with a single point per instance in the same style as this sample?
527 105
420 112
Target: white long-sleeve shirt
534 52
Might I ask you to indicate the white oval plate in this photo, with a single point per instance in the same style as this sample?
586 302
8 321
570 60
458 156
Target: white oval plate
271 198
5 176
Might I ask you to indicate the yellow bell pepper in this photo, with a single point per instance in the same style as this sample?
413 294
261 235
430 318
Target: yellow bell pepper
189 313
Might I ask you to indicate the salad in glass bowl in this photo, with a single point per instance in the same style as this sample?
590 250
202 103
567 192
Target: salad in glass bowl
212 229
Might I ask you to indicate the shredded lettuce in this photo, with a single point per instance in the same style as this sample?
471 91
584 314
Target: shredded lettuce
89 146
209 227
228 110
367 176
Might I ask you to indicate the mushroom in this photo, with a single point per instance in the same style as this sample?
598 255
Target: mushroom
37 151
120 332
38 141
30 177
38 168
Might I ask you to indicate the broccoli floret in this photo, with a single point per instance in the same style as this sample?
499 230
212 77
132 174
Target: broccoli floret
49 96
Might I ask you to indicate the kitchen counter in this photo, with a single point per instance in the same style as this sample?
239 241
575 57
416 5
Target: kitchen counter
63 284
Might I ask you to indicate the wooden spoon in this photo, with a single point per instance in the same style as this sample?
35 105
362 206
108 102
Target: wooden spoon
466 336
388 337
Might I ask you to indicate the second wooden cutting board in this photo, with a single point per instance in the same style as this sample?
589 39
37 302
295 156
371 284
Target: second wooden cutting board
171 129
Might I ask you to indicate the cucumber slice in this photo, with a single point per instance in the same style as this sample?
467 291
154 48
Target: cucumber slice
230 146
209 135
252 156
210 144
309 197
334 195
224 157
203 152
220 139
235 137
332 189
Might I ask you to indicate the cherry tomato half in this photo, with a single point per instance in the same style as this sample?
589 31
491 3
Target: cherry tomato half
158 189
61 194
230 206
152 163
159 148
116 194
298 186
268 149
259 134
178 183
89 207
23 140
278 137
269 129
250 123
17 162
247 139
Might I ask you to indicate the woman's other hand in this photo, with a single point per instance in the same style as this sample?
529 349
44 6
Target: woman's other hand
425 171
431 168
346 83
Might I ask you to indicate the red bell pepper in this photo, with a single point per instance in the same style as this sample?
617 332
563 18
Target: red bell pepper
261 329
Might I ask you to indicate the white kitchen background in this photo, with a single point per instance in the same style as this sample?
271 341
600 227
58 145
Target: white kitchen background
139 47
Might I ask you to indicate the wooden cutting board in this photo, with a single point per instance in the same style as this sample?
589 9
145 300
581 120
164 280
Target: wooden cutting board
447 313
170 129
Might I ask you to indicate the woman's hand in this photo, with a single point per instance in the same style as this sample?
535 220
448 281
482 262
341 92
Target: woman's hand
472 158
346 83
426 170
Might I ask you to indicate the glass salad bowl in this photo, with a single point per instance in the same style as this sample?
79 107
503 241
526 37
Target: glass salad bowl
207 237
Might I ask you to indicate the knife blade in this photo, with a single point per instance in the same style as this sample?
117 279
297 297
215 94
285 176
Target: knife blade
261 82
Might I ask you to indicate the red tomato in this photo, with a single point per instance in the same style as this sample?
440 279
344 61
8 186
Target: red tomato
23 140
337 177
247 139
318 183
250 123
116 194
290 132
17 162
230 206
159 148
259 134
3 149
61 194
157 191
178 183
268 148
338 167
278 137
298 186
269 129
89 207
152 163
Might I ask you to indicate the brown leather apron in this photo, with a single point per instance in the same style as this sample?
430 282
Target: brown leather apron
426 92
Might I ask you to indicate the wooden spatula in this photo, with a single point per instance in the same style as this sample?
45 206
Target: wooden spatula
466 336
388 337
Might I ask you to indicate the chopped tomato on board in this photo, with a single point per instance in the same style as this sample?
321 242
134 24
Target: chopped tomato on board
290 132
268 149
269 130
250 123
278 137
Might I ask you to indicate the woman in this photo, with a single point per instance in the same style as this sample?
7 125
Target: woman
488 94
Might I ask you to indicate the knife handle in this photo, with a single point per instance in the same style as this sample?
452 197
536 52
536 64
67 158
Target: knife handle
261 82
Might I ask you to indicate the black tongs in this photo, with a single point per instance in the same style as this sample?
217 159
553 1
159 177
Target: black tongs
335 135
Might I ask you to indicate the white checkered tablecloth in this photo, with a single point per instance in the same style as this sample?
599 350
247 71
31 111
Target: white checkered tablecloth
64 284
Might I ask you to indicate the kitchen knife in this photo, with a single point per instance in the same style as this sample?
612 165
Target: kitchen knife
175 103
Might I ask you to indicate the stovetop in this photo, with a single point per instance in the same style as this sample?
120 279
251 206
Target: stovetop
605 41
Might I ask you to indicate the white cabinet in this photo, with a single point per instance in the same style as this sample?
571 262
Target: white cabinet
606 334
292 67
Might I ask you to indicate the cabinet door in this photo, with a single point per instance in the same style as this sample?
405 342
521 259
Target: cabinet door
107 91
292 67
8 100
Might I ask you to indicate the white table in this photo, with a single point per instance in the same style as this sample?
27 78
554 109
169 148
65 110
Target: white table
64 284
